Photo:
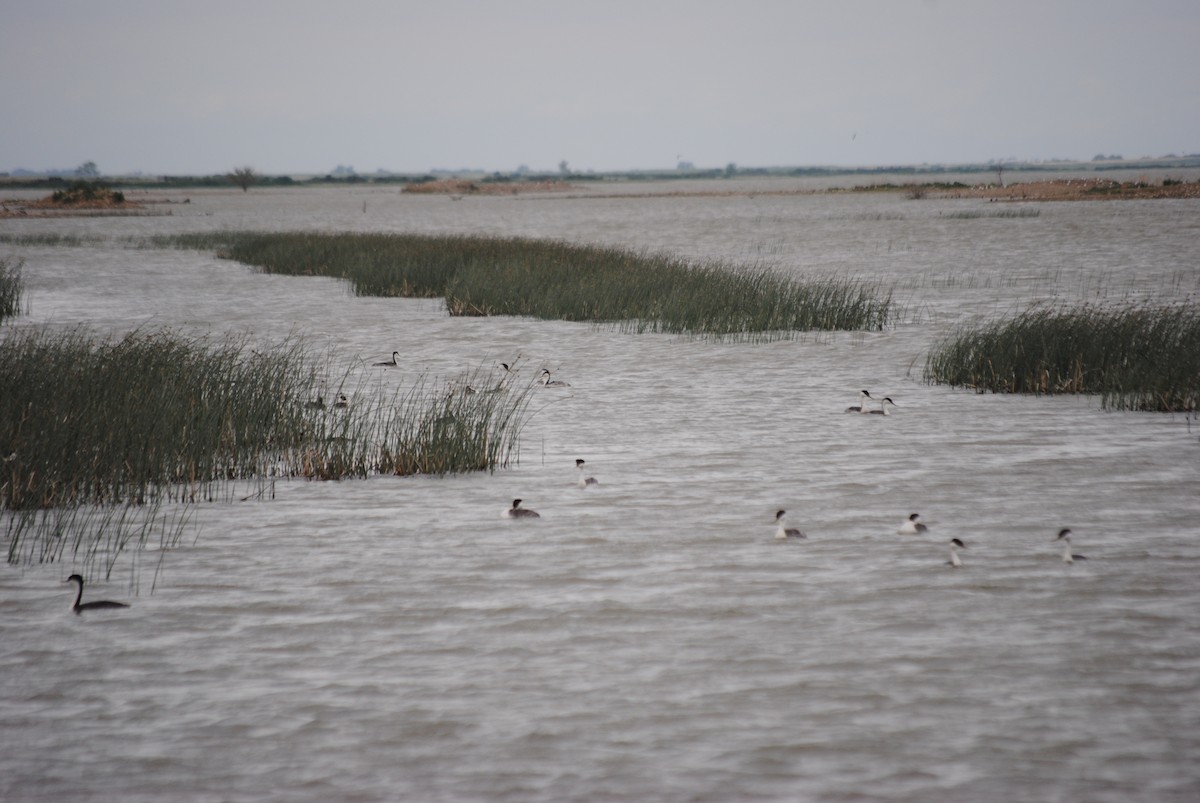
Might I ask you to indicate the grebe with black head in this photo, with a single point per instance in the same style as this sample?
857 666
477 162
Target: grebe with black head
955 545
783 531
861 407
97 605
584 482
1064 535
518 512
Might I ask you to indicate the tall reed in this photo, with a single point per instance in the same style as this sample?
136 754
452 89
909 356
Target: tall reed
103 442
12 289
1136 357
562 281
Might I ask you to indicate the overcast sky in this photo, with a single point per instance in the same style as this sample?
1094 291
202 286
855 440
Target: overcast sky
295 86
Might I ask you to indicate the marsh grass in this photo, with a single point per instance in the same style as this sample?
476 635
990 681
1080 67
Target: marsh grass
106 443
974 214
51 239
561 281
12 289
1135 357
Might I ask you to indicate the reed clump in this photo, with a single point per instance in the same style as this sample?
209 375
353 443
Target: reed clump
562 281
12 289
1135 357
103 442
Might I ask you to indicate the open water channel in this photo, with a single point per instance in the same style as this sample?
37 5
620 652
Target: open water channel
649 638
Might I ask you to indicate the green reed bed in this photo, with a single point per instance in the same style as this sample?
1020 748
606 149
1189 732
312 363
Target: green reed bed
1136 357
12 289
104 442
561 281
974 214
51 239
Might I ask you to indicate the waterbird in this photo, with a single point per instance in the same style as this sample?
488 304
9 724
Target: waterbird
392 362
100 604
883 406
911 526
342 401
1065 536
861 407
584 481
518 512
783 531
546 381
955 545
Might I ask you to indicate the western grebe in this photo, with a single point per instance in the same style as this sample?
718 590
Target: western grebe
1065 535
783 531
911 526
518 512
100 604
342 401
861 407
546 381
883 406
584 481
391 363
955 545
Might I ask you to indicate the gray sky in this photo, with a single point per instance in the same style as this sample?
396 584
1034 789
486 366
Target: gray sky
295 86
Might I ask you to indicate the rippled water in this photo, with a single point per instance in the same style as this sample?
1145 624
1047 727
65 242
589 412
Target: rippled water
649 639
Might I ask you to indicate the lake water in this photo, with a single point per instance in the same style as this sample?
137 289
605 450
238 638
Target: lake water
649 639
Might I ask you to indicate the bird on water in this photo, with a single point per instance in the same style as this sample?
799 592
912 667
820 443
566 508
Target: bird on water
955 545
584 482
861 407
392 362
97 605
783 531
911 526
1065 536
518 512
883 406
547 382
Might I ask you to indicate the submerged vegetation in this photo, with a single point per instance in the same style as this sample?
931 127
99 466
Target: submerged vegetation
12 288
1137 357
105 443
560 281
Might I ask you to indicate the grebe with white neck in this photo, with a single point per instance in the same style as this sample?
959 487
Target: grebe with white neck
911 526
518 512
955 545
98 605
783 531
545 381
1064 535
392 363
883 406
584 482
863 397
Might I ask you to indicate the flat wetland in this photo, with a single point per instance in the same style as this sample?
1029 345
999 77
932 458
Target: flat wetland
382 637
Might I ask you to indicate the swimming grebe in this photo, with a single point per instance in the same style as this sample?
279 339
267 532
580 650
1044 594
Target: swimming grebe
518 512
100 604
883 406
584 481
393 362
861 407
783 531
911 526
1065 535
546 381
955 545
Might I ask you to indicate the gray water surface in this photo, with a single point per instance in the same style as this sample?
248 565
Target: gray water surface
649 639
